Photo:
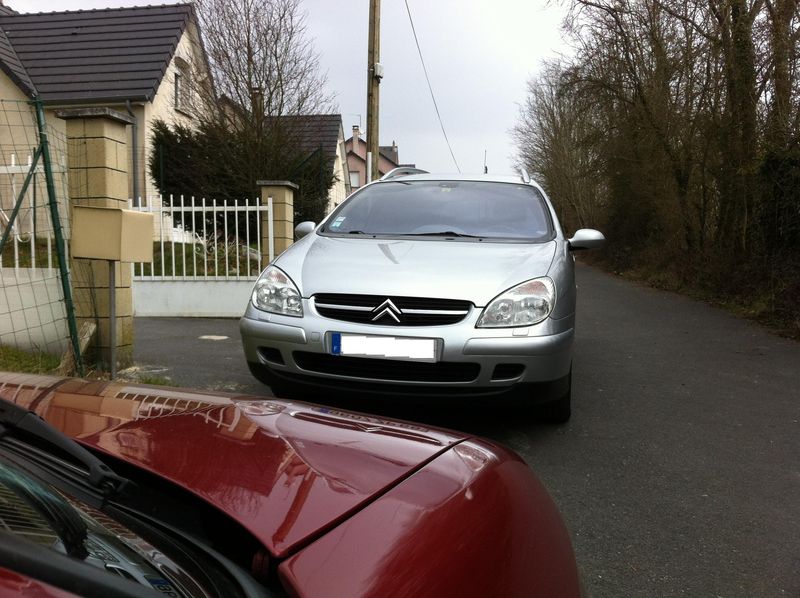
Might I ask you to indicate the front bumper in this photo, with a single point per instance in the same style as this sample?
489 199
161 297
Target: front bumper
470 359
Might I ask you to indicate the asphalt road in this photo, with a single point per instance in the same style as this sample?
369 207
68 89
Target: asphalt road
679 473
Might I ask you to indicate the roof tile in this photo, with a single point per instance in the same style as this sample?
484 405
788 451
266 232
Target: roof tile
315 131
108 54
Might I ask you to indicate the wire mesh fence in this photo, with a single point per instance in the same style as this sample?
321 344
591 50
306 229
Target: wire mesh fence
34 315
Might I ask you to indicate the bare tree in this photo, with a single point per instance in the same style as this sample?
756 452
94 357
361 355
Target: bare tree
264 77
676 124
262 61
553 137
784 37
654 78
265 70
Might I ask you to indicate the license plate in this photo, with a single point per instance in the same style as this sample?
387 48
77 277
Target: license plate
386 347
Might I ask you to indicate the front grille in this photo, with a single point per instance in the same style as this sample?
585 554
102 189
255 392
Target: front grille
381 310
387 369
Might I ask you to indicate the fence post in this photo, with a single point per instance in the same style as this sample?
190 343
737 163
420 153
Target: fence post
98 176
282 194
58 232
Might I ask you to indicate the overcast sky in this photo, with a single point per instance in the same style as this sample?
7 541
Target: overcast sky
479 55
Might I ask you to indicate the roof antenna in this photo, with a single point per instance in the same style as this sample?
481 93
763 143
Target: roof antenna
485 168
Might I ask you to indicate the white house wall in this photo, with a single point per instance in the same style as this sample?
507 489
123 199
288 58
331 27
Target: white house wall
163 104
338 192
18 137
15 115
16 125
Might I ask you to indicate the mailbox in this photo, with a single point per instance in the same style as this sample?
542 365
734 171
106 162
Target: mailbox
112 234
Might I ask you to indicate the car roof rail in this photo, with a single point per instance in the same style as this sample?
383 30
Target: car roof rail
526 178
402 171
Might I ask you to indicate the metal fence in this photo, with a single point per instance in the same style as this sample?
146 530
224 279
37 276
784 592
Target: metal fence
30 243
36 307
200 239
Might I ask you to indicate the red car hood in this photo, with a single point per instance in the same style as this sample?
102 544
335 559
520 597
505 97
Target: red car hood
286 471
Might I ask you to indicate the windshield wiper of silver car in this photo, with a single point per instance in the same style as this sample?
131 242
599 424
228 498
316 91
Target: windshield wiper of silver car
16 418
444 233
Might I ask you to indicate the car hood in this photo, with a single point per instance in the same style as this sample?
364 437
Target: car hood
446 269
286 471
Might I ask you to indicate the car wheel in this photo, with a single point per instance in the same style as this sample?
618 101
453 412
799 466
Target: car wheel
559 410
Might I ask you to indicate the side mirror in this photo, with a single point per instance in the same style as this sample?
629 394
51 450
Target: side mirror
586 238
302 229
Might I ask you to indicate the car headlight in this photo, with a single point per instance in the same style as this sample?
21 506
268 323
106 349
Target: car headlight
526 304
276 293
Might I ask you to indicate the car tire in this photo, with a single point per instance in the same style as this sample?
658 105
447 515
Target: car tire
559 410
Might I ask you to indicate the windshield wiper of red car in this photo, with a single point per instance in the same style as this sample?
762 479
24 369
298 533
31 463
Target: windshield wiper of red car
14 418
62 516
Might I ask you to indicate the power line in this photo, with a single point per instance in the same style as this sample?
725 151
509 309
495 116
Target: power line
427 78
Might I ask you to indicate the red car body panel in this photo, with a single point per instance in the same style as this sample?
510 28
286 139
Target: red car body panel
284 470
19 586
406 539
356 505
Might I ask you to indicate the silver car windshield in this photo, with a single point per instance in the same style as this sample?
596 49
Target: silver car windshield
460 209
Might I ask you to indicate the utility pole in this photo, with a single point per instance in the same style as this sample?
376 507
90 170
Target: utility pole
374 76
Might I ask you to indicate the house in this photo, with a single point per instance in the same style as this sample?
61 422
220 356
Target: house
323 133
144 61
357 159
147 62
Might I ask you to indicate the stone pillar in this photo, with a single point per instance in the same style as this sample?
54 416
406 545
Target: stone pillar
97 158
282 194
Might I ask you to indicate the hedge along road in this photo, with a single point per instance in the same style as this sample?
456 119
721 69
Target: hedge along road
679 473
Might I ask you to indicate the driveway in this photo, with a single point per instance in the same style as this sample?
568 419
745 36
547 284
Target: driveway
197 352
679 473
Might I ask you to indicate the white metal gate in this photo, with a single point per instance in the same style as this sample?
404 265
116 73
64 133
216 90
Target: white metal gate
207 255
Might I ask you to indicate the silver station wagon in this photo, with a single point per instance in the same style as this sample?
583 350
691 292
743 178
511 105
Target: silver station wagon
424 285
